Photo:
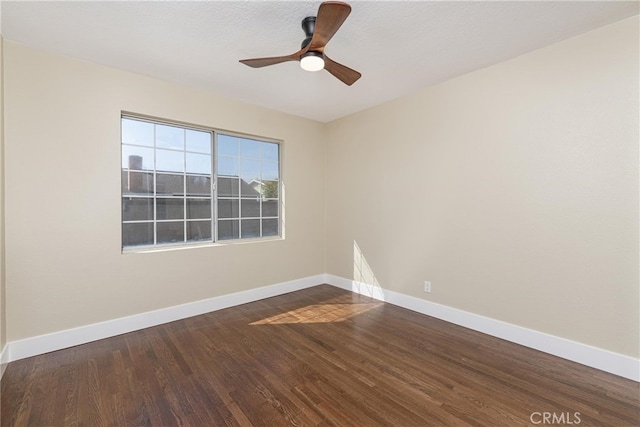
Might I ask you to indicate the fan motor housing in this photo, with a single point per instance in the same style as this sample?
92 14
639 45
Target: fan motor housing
308 26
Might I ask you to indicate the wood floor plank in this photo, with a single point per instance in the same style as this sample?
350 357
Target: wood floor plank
318 357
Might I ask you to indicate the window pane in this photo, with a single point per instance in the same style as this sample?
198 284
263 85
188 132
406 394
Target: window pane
269 208
198 163
137 234
198 185
250 208
250 170
199 141
137 132
227 166
227 145
249 148
270 227
169 137
170 209
270 189
250 228
170 232
270 151
228 208
198 230
169 184
170 161
198 208
137 209
228 187
250 190
137 158
228 229
270 170
137 182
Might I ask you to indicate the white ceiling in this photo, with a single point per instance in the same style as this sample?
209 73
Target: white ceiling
398 46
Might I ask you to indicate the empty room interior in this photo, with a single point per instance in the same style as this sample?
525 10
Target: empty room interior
421 214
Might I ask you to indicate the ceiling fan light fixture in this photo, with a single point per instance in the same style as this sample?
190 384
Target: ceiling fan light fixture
312 61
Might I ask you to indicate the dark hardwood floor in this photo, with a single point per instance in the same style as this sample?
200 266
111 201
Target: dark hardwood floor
321 356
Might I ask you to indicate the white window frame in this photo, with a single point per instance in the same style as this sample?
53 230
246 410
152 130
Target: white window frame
213 195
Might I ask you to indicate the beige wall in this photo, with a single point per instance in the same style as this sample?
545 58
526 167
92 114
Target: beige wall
64 264
514 189
3 312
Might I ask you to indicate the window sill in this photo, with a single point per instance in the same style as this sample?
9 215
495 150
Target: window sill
174 247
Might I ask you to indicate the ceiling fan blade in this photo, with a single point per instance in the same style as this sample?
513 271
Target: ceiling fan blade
331 15
342 72
263 62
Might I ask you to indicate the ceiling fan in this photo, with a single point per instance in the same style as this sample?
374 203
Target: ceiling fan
318 31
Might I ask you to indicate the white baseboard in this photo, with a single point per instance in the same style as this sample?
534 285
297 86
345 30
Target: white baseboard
618 364
33 346
604 360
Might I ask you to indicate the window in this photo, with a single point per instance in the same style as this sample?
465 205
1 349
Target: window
248 188
184 185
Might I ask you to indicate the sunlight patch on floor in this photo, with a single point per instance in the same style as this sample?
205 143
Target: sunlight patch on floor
319 313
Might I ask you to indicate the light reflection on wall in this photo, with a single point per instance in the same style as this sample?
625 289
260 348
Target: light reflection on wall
364 280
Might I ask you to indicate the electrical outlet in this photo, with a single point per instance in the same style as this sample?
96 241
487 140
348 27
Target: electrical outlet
427 286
